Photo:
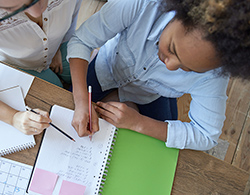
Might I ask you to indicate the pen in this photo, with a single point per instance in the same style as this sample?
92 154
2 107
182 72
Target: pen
29 109
90 111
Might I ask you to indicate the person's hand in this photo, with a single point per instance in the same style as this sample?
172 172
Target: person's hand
56 64
119 114
81 121
30 123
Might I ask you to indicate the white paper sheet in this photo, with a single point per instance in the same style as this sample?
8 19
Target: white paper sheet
10 77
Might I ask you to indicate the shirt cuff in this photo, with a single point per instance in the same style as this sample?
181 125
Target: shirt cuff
175 137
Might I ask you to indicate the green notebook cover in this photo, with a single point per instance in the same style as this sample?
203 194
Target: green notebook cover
139 165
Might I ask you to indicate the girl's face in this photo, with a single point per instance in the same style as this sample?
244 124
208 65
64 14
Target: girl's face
35 10
188 51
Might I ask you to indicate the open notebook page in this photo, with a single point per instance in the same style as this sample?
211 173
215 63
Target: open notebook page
81 162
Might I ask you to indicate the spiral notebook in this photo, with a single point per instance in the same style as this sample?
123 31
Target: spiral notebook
67 165
114 162
11 139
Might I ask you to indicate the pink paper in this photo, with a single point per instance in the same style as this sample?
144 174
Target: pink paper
43 182
69 188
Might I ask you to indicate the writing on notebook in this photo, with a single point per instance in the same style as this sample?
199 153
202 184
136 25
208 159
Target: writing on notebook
83 153
75 173
77 164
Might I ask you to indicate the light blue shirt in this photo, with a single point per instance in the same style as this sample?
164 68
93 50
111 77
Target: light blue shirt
127 32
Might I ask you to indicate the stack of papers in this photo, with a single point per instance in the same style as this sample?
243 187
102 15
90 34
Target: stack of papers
14 87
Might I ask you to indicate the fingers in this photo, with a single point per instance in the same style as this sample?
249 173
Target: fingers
61 69
118 114
43 113
56 67
80 123
23 122
111 108
108 111
34 131
52 67
41 117
56 70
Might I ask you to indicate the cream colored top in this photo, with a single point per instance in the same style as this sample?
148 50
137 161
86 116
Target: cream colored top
26 45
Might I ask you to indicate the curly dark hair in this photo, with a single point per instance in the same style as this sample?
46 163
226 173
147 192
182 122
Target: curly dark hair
225 23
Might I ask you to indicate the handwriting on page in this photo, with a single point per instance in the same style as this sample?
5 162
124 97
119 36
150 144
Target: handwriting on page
81 162
74 171
83 153
77 173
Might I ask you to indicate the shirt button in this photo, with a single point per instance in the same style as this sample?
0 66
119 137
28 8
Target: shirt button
45 19
144 68
117 52
46 49
45 62
45 56
45 39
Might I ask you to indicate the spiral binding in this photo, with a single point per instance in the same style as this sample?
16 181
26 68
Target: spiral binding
16 148
105 172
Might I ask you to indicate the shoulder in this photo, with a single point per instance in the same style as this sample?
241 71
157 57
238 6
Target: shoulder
59 3
128 9
11 22
134 4
210 82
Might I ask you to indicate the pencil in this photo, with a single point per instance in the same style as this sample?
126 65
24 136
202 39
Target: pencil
29 109
90 111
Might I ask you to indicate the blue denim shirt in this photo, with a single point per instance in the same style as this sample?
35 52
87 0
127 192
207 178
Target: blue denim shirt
127 32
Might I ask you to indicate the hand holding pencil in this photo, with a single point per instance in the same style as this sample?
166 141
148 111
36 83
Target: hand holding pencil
58 129
85 120
31 123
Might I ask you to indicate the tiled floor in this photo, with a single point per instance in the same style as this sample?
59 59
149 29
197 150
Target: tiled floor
220 150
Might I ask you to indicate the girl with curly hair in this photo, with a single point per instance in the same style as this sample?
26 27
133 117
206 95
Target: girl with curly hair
153 52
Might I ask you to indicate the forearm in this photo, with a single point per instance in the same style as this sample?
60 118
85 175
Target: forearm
78 68
123 116
152 128
7 113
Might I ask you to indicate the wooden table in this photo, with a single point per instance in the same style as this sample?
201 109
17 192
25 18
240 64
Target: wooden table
196 173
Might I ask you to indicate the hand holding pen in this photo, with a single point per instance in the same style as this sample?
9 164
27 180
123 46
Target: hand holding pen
50 123
81 119
30 123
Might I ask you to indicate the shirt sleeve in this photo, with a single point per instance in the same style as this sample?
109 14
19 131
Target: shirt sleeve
112 18
72 28
207 115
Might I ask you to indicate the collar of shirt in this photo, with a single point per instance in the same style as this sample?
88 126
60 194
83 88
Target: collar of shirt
159 26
